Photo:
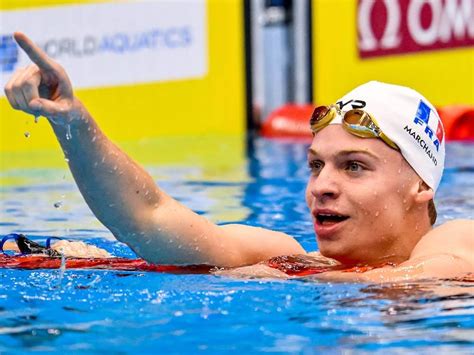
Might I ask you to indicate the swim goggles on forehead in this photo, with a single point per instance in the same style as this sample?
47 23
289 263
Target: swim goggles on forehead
357 122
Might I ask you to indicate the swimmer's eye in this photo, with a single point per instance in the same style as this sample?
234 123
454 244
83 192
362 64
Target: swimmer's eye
315 165
354 166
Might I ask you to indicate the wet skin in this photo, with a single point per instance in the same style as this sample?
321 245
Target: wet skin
375 193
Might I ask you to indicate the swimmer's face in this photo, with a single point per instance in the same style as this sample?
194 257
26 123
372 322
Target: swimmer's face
360 193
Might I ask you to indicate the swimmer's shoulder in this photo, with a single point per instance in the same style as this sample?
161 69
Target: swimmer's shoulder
454 237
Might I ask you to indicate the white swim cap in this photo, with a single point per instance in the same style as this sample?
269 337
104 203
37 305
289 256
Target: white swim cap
409 120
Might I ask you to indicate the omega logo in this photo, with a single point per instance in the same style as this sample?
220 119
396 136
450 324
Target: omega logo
452 21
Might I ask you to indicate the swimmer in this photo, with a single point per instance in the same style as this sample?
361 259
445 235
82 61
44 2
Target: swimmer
376 160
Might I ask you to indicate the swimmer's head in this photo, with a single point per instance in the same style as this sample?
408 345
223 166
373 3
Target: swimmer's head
369 197
406 119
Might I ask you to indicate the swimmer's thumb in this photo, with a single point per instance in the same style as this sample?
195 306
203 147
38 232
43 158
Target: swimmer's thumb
44 107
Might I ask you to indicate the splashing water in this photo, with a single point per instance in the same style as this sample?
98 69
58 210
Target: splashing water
62 268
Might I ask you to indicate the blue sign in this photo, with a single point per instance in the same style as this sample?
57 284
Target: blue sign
8 53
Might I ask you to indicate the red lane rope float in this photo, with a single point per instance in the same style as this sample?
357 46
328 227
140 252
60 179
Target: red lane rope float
292 121
293 265
32 262
288 121
458 121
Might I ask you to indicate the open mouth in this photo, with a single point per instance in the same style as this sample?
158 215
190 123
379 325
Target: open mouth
327 219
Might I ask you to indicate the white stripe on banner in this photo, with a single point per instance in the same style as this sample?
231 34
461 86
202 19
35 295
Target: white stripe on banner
112 44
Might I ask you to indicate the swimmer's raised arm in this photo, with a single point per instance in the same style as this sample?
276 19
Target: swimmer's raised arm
122 195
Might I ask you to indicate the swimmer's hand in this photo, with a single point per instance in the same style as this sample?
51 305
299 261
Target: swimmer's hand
69 249
42 88
79 250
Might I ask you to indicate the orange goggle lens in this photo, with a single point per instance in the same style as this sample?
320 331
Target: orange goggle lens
356 122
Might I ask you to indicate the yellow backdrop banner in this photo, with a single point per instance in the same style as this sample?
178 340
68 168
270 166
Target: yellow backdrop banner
213 104
444 76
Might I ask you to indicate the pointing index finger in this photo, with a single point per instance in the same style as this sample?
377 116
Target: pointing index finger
35 53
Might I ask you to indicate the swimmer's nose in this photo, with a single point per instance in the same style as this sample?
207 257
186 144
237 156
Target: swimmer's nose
324 186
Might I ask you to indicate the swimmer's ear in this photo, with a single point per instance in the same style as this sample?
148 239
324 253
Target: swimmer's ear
423 192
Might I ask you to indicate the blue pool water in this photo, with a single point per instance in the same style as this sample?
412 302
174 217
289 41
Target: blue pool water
125 312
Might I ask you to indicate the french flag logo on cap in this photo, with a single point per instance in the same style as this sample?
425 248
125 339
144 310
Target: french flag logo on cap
434 129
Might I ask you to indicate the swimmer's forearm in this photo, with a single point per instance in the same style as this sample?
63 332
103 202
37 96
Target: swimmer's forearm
115 187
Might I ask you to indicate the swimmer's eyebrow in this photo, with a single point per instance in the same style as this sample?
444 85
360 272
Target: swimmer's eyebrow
348 152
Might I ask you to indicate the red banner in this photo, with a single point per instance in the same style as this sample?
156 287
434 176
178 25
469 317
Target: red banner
402 26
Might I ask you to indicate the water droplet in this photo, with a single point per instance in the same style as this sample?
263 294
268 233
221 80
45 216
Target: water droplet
404 201
377 214
27 134
68 132
58 204
37 119
94 138
385 207
400 170
66 160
